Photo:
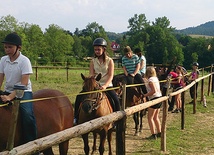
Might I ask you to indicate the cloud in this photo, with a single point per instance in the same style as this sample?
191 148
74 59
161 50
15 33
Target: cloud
113 15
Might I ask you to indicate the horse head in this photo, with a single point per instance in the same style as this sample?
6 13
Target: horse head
91 83
92 100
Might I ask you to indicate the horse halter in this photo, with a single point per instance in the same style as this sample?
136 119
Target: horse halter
92 103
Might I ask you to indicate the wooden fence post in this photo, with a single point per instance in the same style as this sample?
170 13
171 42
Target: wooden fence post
121 128
194 100
163 126
212 89
210 83
183 109
202 86
13 122
67 70
36 72
211 79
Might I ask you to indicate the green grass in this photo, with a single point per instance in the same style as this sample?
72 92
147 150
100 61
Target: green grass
57 79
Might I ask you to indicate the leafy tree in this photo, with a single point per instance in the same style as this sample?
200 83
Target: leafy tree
33 42
157 40
8 24
137 23
93 30
78 48
163 22
59 44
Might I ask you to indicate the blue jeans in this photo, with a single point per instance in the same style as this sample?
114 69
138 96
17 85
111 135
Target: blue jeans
27 118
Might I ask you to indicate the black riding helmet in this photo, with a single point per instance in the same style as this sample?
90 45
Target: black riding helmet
195 64
100 42
13 39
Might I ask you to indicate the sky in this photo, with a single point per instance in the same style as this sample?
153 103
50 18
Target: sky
113 15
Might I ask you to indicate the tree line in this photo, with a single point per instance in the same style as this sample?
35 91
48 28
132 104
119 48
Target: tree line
157 39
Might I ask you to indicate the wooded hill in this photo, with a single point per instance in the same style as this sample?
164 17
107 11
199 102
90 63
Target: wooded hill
203 29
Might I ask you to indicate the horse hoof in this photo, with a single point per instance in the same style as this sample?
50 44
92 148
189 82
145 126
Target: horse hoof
136 134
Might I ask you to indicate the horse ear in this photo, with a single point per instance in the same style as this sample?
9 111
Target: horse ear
98 77
83 77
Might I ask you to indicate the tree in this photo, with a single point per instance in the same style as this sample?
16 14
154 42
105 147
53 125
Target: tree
59 44
137 23
33 41
163 22
78 49
8 24
137 36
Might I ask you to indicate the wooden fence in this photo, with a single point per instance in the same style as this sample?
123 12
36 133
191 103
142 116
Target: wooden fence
120 116
67 68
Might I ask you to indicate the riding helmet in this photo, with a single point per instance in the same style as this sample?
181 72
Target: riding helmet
195 64
100 42
13 39
137 50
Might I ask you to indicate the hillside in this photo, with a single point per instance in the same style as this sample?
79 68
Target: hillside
203 29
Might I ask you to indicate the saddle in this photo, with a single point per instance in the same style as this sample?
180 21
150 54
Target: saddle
111 101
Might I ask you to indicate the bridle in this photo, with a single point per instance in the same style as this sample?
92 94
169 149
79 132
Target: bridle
93 100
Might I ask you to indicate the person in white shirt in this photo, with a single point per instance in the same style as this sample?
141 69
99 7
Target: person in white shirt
16 69
142 61
153 92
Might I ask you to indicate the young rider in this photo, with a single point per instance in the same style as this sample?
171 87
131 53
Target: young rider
101 63
16 69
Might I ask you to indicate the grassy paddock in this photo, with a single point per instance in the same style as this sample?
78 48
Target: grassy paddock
196 138
57 79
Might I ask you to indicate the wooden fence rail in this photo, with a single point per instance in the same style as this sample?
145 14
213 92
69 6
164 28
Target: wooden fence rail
54 139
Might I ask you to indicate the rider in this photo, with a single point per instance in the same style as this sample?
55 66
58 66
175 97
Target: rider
131 66
101 63
16 69
194 75
142 58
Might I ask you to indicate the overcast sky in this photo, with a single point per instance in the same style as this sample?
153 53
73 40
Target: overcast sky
113 15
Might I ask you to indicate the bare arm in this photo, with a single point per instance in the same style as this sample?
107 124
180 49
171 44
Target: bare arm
24 81
142 64
110 74
150 93
1 79
91 69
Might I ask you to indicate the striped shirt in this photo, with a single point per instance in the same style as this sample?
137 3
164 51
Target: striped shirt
130 63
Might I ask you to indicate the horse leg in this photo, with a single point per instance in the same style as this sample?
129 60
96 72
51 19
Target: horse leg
63 148
136 120
109 140
141 120
103 134
48 151
94 148
85 141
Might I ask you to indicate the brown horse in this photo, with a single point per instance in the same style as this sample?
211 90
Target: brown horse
52 115
95 105
133 97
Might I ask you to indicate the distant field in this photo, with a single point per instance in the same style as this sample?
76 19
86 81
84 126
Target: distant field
198 36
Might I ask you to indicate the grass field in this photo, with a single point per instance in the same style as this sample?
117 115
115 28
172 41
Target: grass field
197 138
